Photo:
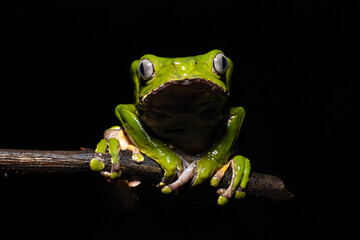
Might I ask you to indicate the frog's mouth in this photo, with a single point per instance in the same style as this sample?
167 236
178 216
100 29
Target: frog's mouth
184 95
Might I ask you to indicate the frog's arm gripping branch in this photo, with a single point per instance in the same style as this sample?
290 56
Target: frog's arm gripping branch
48 162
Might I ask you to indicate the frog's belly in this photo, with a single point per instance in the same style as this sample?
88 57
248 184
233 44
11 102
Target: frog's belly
188 114
190 133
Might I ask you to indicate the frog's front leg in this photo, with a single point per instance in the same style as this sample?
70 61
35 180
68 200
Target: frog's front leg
154 148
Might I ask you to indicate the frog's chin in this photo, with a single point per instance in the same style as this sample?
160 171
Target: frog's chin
185 88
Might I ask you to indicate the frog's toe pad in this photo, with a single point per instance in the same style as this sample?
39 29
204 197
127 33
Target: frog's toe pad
96 165
138 157
166 190
223 200
114 175
239 194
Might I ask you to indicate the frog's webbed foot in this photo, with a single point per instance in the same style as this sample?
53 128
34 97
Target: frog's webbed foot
114 140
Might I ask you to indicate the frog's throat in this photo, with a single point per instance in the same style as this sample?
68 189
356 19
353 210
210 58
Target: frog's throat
188 82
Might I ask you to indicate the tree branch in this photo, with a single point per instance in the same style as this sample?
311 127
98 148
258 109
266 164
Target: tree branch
41 161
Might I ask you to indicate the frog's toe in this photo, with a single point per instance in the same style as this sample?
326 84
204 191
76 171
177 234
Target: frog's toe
188 174
97 163
137 157
218 176
240 193
113 174
115 171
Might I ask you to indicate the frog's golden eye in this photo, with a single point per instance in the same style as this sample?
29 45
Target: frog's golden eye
146 69
220 63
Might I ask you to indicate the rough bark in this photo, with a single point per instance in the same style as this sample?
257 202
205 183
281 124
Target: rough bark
49 162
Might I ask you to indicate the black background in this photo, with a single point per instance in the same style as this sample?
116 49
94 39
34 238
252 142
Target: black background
66 66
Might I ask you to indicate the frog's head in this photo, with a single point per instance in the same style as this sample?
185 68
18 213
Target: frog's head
158 79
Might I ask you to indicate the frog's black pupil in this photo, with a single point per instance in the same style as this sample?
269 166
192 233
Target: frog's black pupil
142 70
224 62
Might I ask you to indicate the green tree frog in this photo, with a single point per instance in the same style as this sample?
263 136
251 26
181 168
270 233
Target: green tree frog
181 119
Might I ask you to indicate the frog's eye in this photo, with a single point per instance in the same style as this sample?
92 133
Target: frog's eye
220 63
146 69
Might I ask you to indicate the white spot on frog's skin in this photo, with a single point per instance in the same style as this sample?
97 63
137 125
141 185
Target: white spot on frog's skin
186 82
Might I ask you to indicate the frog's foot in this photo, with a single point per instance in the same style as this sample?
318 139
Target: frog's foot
240 177
124 142
114 141
185 176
